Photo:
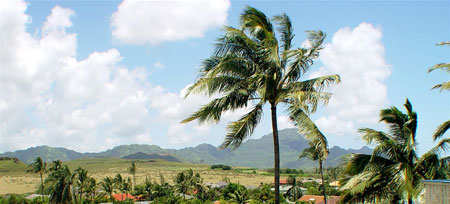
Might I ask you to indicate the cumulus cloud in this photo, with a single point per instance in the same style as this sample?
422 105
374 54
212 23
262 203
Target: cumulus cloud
141 22
358 56
49 97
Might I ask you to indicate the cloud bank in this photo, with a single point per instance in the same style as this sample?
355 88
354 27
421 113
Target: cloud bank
49 97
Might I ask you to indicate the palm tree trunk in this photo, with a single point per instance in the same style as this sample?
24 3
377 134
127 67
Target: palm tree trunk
323 185
276 151
42 187
410 201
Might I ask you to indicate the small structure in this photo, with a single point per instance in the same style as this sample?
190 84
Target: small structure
437 191
221 184
319 199
32 196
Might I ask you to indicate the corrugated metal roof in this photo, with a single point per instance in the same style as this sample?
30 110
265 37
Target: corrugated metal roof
437 181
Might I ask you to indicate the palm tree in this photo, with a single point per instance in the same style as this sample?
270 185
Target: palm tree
118 182
91 187
81 181
315 154
108 185
249 68
57 164
132 169
60 185
38 166
393 173
318 150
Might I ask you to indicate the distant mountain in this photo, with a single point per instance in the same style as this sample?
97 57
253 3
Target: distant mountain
252 153
45 152
140 155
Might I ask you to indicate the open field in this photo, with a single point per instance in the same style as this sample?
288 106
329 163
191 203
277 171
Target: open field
15 179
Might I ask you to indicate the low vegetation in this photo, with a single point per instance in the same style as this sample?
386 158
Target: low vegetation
97 181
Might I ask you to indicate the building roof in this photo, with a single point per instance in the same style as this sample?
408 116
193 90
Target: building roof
437 181
319 199
122 197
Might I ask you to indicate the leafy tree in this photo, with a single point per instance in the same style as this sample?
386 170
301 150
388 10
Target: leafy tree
240 195
251 67
186 181
132 169
393 173
38 166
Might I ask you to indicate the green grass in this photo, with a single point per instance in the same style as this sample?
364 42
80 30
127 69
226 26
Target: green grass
10 166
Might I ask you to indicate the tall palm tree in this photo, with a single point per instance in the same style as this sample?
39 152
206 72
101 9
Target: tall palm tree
393 173
251 67
132 169
38 166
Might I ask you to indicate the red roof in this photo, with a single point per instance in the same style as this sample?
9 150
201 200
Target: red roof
122 197
283 181
319 199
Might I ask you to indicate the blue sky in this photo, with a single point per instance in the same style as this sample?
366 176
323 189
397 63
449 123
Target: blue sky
93 75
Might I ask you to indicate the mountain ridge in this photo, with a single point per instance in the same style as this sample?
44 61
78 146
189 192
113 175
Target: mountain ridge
256 153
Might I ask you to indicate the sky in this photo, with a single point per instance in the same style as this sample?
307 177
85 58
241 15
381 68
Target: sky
91 75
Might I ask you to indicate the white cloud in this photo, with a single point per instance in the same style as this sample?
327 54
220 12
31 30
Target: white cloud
49 97
358 56
153 21
284 122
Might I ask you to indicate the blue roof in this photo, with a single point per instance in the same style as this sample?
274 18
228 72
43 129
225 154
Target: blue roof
437 181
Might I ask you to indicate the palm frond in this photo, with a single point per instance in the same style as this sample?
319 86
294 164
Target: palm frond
287 35
257 23
442 87
311 132
440 131
241 129
212 111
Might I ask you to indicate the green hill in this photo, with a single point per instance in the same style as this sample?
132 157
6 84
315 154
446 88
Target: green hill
252 153
7 163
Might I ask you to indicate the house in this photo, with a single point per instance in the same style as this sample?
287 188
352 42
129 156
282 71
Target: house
437 191
319 199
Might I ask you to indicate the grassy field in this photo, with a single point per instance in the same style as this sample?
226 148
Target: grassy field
15 179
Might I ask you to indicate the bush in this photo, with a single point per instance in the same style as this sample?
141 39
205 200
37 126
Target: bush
221 166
